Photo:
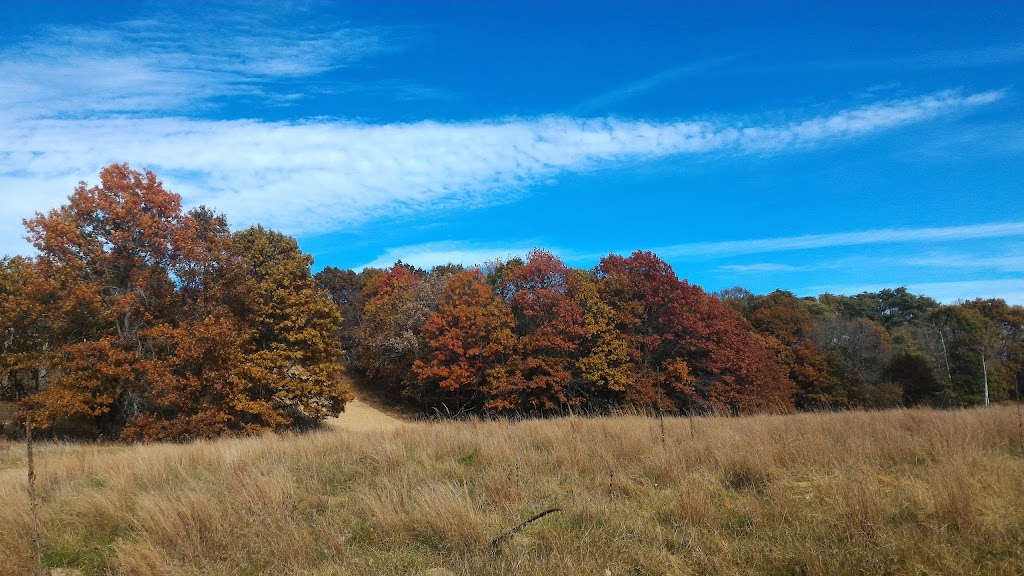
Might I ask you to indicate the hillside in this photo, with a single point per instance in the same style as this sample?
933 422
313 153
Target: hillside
914 491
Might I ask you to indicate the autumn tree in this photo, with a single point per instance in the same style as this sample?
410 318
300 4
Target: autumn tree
291 369
786 319
549 327
110 249
25 328
644 293
604 365
166 326
388 340
469 341
690 350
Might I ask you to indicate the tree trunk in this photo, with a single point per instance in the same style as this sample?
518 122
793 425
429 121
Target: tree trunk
984 370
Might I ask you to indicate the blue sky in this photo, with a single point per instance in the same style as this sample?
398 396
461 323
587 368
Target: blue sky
808 147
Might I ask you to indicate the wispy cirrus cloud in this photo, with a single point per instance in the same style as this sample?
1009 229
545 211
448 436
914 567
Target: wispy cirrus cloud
321 175
761 268
950 262
166 64
434 253
1011 290
964 57
1006 263
644 85
866 237
73 99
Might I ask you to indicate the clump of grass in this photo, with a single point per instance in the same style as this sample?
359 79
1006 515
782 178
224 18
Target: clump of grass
916 491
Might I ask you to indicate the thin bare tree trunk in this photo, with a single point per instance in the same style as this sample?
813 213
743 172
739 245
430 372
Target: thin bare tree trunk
37 531
984 370
661 420
945 356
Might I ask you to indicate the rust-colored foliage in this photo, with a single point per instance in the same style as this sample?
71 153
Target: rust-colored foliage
26 328
782 317
470 341
547 338
139 320
549 325
161 325
689 349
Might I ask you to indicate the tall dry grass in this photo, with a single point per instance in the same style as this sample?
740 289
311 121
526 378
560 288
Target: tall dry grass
902 492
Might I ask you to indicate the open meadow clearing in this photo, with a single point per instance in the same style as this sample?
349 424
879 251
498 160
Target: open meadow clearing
896 492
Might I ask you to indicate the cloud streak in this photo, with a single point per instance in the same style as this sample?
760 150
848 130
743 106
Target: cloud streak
1010 290
652 82
867 237
969 57
319 175
434 253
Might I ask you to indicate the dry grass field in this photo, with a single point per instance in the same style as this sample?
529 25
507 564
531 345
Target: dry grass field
902 492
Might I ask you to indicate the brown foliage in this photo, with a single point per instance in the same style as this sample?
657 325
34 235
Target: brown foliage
689 349
159 324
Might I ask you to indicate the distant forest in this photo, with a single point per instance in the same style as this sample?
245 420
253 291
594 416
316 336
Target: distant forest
138 320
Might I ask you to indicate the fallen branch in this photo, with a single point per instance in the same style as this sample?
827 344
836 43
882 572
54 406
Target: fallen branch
497 542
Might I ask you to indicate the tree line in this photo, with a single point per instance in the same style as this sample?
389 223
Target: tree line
139 320
535 336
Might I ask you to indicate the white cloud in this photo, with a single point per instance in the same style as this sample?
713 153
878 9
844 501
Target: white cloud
168 63
1010 290
947 261
812 241
433 254
972 57
760 268
966 261
322 175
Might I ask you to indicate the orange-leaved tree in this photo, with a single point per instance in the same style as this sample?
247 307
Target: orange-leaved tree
469 344
162 325
26 332
109 249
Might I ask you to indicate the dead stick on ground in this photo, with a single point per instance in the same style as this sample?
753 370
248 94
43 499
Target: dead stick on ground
37 532
497 542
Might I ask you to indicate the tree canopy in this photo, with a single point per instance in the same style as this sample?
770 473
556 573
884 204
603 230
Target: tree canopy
153 323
